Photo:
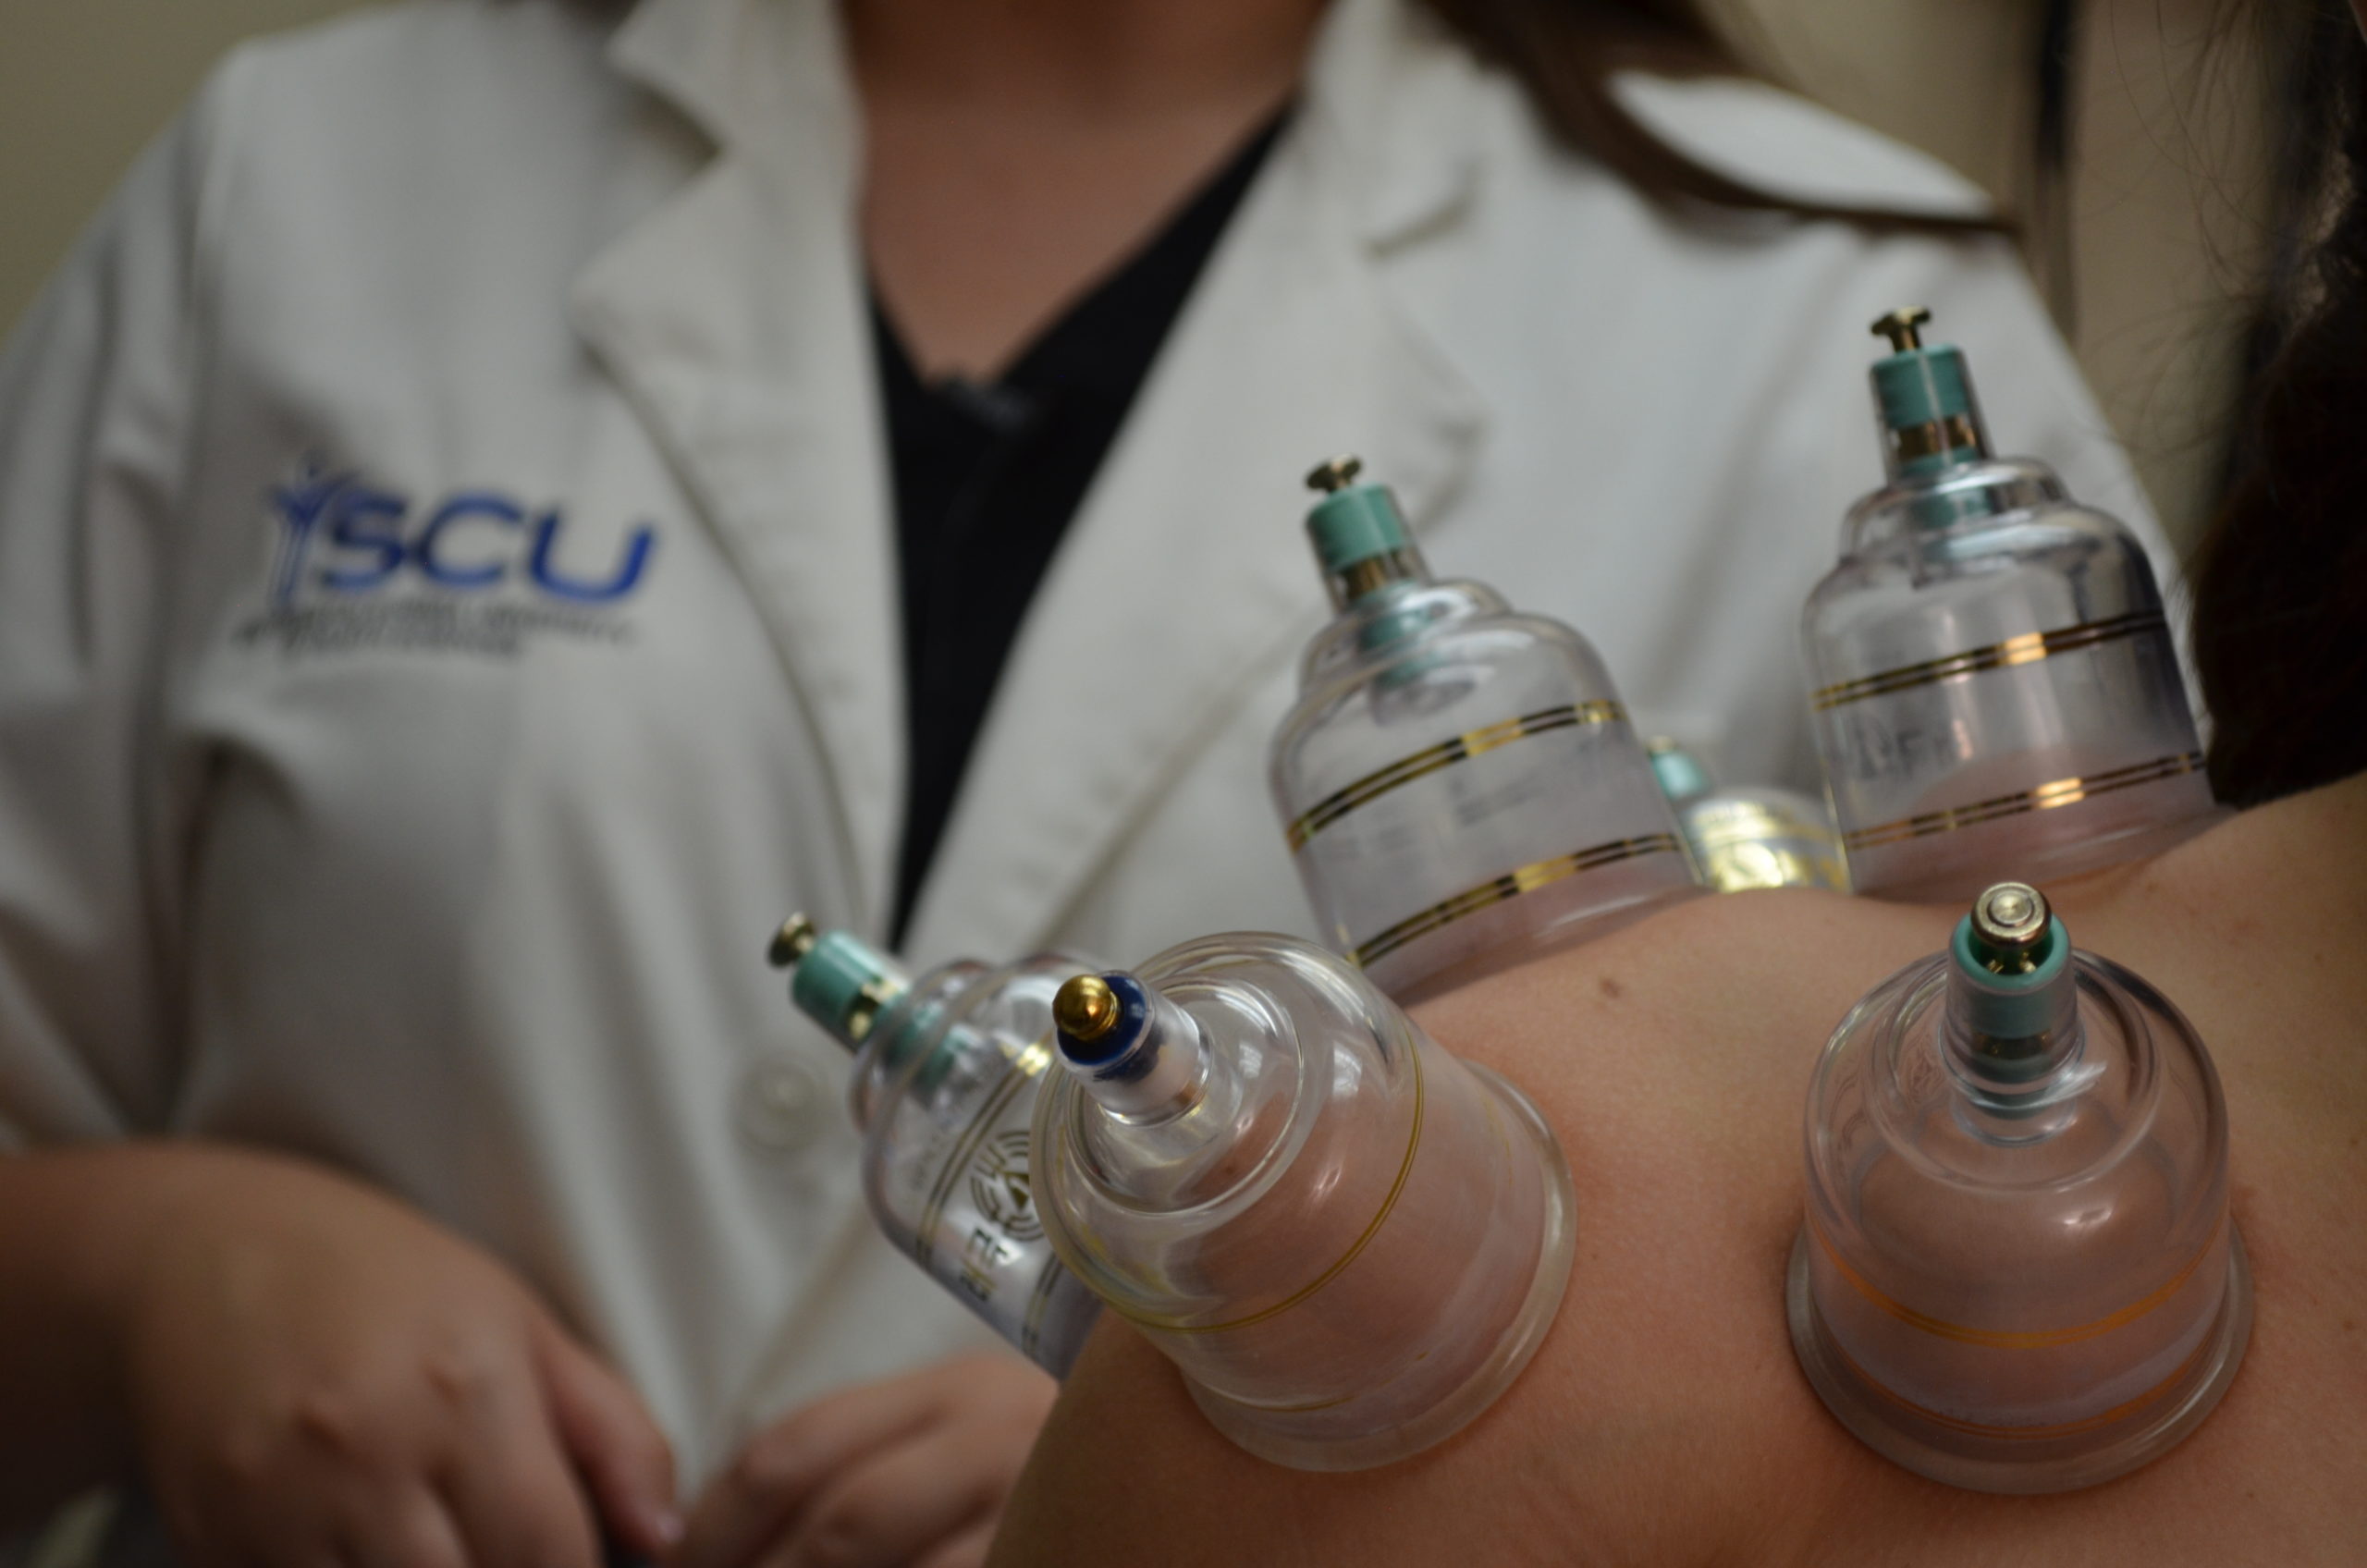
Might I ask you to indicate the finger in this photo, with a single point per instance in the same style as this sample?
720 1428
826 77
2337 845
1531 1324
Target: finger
781 1466
416 1532
241 1517
512 1490
903 1501
966 1547
609 1437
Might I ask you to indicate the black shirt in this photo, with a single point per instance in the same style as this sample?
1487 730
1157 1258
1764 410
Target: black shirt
987 478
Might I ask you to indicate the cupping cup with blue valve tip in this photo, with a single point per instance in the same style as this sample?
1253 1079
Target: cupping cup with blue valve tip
1752 836
1458 783
946 1075
2017 1272
1349 1242
1995 680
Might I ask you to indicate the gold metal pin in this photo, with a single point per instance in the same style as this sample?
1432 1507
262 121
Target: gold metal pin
1900 326
1334 474
1086 1008
791 942
865 1010
2011 919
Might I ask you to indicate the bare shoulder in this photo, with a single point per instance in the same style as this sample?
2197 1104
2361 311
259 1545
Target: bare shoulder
1706 968
1664 1421
1673 1084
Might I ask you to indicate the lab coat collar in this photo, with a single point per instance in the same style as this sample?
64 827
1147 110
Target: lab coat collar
1398 93
734 318
720 62
1186 579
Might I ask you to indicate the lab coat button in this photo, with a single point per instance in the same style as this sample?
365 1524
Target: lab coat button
783 1105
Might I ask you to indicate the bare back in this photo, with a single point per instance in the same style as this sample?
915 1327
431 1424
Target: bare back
1665 1421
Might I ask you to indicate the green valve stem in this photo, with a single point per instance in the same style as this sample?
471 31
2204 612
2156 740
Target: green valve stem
1360 538
838 980
1682 777
2014 994
1923 397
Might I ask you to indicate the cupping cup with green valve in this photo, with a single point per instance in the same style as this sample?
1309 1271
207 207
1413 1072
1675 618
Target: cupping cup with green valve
1995 680
1348 1240
1749 835
946 1075
2018 1273
1458 783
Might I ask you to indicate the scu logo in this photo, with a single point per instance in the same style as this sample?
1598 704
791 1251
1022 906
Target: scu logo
341 535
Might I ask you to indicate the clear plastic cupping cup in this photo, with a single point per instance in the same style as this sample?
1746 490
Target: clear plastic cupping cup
1459 784
1349 1242
2017 1271
1750 835
947 1071
1993 678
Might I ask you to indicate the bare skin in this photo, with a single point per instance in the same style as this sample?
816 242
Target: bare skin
302 1370
1018 149
911 1470
1664 1421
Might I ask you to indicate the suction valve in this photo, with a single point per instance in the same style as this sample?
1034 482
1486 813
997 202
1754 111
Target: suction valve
1132 1050
2011 920
1923 397
1360 538
1086 1010
836 978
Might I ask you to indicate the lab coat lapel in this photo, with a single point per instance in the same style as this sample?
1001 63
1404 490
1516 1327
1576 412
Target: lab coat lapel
735 320
1186 577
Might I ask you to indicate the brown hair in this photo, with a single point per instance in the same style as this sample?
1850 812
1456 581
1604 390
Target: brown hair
2280 607
1564 53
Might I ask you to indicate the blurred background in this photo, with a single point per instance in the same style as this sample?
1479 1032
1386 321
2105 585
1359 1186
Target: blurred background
2148 247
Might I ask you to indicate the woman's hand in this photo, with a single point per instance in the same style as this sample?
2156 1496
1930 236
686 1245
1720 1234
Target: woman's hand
911 1471
314 1374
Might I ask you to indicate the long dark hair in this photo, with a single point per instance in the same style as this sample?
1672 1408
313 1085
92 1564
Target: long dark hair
2280 614
1564 53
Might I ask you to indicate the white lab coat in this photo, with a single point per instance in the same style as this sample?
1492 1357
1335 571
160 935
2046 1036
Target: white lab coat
447 607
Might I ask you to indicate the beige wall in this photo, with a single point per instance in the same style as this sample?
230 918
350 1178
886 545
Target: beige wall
2163 230
83 85
2165 208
